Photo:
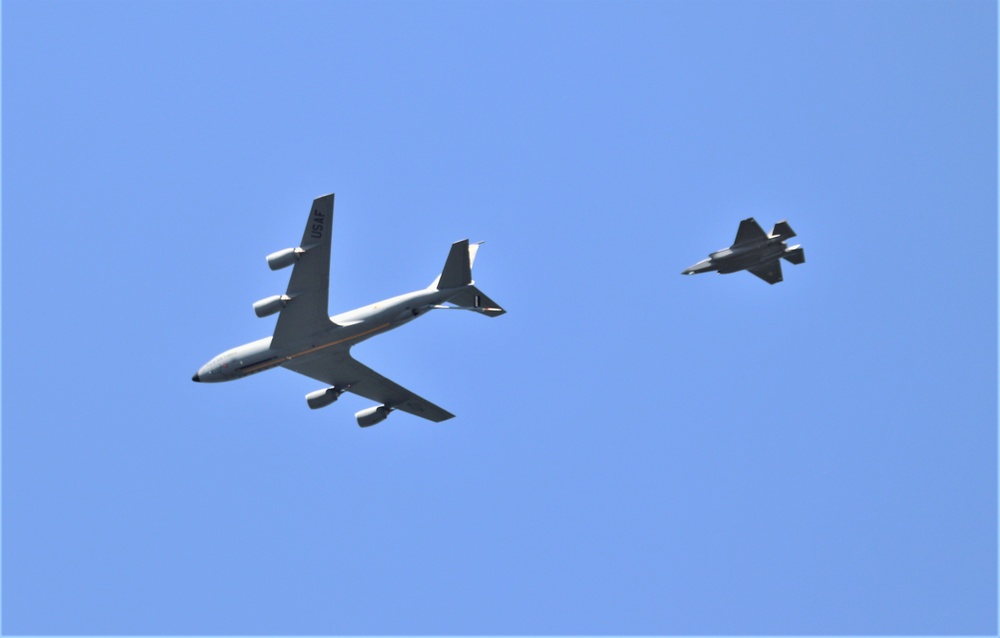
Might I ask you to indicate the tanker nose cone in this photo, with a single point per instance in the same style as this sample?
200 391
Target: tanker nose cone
196 377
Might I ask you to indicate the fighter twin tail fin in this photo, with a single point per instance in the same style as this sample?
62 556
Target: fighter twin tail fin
783 230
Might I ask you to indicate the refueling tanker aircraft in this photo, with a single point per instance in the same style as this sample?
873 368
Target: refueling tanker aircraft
754 250
308 341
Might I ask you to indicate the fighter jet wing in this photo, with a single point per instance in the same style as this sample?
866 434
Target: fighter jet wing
309 287
749 232
771 273
341 369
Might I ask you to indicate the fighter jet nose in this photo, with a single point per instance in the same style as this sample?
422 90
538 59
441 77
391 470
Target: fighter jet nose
196 377
702 266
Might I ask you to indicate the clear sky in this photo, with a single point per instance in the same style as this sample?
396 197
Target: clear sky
635 452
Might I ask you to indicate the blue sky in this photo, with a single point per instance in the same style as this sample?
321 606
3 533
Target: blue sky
635 452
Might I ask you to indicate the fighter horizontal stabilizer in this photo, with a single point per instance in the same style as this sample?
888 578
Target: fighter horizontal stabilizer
750 232
783 230
771 272
795 254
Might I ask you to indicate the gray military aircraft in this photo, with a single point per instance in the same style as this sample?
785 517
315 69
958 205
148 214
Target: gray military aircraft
308 341
754 250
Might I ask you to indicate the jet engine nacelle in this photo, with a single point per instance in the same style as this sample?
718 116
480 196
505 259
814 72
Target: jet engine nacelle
322 398
271 305
371 416
284 258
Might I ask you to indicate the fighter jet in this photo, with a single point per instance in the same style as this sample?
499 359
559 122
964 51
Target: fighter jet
308 341
755 251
